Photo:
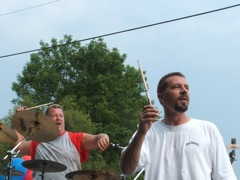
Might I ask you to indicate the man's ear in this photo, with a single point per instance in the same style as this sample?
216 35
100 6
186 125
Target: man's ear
160 96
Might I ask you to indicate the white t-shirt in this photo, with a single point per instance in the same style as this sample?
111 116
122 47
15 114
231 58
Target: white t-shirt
192 151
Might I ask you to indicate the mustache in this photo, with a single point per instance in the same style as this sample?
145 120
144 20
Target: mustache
183 97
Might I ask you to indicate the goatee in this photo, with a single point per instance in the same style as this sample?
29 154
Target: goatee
182 107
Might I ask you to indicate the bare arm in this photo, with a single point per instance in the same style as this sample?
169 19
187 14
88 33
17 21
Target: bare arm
130 157
99 141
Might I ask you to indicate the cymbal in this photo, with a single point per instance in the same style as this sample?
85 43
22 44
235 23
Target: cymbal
233 146
7 134
14 172
44 165
42 128
92 175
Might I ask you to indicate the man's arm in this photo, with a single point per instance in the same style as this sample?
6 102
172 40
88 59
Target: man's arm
131 155
99 141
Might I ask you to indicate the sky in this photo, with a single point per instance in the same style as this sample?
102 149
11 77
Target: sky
205 48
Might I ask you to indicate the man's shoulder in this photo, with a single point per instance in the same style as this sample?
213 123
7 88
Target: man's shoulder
204 123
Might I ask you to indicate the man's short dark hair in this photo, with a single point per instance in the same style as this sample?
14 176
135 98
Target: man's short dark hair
162 85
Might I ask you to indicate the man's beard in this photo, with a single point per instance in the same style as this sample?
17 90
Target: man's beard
181 107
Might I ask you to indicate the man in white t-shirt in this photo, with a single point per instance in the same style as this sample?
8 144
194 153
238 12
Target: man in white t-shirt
178 147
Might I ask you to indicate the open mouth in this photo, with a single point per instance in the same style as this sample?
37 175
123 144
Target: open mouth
58 123
183 98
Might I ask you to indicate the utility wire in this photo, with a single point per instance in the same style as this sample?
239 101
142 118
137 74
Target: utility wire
127 30
27 8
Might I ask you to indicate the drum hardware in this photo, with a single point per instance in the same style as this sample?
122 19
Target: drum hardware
8 135
44 166
25 123
232 156
116 146
14 172
35 126
139 174
10 171
123 177
233 146
11 154
92 175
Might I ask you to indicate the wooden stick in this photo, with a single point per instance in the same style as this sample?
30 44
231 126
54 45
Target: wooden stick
145 84
39 106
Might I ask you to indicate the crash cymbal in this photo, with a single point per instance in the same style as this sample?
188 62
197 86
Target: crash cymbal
14 172
44 165
7 134
42 127
92 175
233 146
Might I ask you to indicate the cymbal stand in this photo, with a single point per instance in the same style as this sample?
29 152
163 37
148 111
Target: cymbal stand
139 174
10 167
122 177
12 154
43 170
116 146
232 156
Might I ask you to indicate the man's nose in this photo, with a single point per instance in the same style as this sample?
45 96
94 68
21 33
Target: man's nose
58 117
184 90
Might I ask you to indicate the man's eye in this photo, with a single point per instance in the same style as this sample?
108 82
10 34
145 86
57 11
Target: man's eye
175 87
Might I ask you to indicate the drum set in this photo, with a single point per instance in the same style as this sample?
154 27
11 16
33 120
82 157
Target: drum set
38 127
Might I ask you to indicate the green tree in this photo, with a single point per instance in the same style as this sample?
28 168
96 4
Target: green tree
93 80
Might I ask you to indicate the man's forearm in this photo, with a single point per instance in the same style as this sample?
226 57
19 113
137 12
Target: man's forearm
131 154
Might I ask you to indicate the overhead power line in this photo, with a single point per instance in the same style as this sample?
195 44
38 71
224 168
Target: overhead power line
28 8
132 29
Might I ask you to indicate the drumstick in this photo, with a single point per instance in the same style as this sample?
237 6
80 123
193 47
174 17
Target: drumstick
145 84
39 106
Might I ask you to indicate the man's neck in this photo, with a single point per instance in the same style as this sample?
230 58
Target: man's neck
175 119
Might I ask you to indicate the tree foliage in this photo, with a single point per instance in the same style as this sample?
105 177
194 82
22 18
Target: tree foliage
97 90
